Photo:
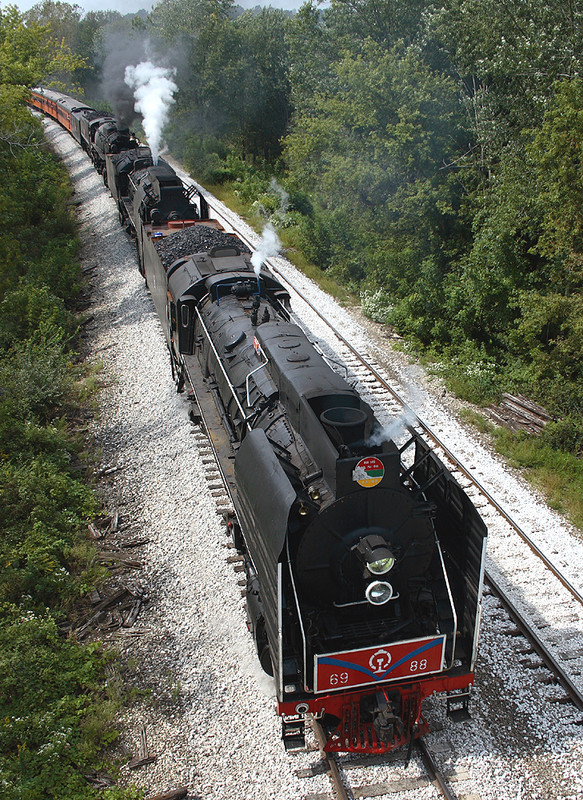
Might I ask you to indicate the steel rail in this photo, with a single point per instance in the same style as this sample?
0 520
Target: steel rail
575 695
344 793
434 772
576 594
338 785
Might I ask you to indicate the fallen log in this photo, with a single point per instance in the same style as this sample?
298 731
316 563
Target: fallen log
175 794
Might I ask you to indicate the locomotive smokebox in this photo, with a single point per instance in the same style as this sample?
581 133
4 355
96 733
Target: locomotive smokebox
345 425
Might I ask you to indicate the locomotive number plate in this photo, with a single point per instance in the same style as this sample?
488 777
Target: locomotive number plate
389 662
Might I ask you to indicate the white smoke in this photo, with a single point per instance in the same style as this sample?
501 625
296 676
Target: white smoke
283 197
268 247
153 93
395 429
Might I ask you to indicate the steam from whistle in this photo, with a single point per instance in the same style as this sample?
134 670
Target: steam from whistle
392 431
153 94
268 247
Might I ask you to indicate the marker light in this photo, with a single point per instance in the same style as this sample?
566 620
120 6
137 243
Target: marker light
379 592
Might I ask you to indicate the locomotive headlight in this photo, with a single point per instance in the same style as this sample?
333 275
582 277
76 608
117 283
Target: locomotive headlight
375 555
379 592
382 565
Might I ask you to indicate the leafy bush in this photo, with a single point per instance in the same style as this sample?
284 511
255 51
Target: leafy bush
55 713
51 690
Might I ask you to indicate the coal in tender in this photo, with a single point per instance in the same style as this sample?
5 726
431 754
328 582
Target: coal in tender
198 239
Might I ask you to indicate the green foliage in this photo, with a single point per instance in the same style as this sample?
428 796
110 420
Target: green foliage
205 157
51 696
55 709
372 150
223 51
26 308
470 374
29 53
558 474
555 156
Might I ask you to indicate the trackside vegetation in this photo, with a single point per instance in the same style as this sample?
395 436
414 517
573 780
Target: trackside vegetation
424 157
55 705
430 155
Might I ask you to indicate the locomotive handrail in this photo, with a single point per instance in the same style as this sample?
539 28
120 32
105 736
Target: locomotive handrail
250 375
451 604
300 616
363 602
244 416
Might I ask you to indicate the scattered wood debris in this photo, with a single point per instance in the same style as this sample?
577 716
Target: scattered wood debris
519 413
109 470
175 794
119 610
104 525
114 558
101 781
135 543
143 757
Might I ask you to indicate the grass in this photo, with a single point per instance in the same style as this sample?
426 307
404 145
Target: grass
556 475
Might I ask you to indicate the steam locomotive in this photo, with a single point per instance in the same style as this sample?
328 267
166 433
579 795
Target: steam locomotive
364 558
98 133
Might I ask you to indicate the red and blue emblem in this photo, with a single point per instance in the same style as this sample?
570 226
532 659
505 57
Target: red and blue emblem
408 659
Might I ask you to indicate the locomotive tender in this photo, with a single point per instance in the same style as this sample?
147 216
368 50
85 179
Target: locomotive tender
364 559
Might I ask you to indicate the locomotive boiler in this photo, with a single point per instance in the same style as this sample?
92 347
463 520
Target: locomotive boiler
98 132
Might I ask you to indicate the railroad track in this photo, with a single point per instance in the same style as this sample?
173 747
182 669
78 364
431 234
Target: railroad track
541 599
351 777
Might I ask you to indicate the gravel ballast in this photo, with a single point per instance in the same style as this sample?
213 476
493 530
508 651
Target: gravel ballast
208 709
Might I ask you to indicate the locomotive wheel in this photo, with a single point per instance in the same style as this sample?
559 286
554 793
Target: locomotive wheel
265 660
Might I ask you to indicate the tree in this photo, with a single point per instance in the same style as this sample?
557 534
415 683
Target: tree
264 88
379 151
29 54
62 19
384 21
556 156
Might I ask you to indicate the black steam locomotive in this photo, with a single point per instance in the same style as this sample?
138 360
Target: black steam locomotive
364 559
98 133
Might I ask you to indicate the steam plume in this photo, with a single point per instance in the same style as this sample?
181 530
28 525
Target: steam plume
153 92
393 430
283 197
268 247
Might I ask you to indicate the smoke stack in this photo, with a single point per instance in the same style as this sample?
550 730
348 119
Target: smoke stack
344 424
